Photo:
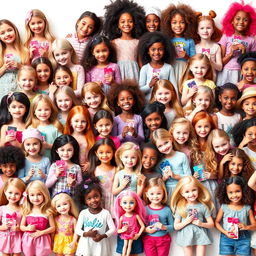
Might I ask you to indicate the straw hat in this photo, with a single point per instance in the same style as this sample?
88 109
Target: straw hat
247 93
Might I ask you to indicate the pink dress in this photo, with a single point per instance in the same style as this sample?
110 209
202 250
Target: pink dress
10 241
36 245
133 227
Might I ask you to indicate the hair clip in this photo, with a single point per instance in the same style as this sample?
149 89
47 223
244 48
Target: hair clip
136 147
86 186
24 197
29 16
66 191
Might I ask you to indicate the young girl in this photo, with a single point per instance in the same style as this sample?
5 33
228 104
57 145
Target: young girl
239 25
156 53
179 23
65 220
128 176
12 159
43 116
26 80
236 216
103 124
126 101
130 218
62 76
65 172
207 36
159 219
38 37
102 166
191 203
64 54
14 112
10 215
247 63
94 98
36 166
12 54
153 117
37 221
79 125
197 72
174 165
153 19
95 223
87 25
44 73
165 93
99 63
124 23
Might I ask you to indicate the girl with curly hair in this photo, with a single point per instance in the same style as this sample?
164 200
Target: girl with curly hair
239 29
124 24
179 23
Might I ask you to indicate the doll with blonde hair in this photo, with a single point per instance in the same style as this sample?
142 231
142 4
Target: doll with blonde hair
191 204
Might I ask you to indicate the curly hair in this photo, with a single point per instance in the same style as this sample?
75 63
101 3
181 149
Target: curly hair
187 13
221 192
227 26
112 15
130 86
248 56
148 39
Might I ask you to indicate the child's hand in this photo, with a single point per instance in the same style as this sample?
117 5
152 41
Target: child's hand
72 245
226 158
189 219
31 50
9 138
229 235
241 226
245 141
43 52
197 223
37 233
84 167
181 54
125 182
159 225
133 132
4 227
42 174
192 91
196 175
136 236
108 79
199 108
125 131
124 228
90 233
31 227
58 170
52 88
141 179
99 83
98 237
68 35
153 81
31 173
151 229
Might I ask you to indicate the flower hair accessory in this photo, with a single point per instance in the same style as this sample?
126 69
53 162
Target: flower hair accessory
136 147
24 197
29 16
86 186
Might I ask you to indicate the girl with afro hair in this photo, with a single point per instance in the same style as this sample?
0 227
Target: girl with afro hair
124 24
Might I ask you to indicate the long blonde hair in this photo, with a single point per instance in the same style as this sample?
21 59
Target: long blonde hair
179 203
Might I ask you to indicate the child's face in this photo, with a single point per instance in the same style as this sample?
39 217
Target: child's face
105 153
78 123
181 133
65 152
190 192
202 128
250 133
249 106
156 52
93 199
63 206
178 25
27 81
128 204
163 95
164 146
63 101
43 72
240 22
104 127
35 196
234 193
235 166
149 158
198 69
126 23
153 121
129 158
8 169
62 78
63 57
12 194
202 99
37 25
205 29
228 99
85 27
43 111
101 53
248 71
17 109
125 100
7 34
92 100
155 195
32 146
221 145
152 23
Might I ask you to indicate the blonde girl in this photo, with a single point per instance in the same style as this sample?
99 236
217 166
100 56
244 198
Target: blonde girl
12 54
10 216
37 221
66 215
128 176
38 37
164 92
191 205
26 80
159 222
43 116
65 55
198 71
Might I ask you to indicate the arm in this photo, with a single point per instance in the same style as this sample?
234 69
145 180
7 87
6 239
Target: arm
111 225
217 222
117 75
178 224
116 189
140 184
228 57
49 230
75 237
208 224
217 63
142 227
52 177
144 86
80 79
225 159
252 221
252 182
187 93
24 227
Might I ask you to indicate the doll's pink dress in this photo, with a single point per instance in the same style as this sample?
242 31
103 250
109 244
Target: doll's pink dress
133 227
36 245
10 241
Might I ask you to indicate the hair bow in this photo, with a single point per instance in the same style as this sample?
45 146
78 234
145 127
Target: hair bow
238 37
28 16
136 147
24 197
